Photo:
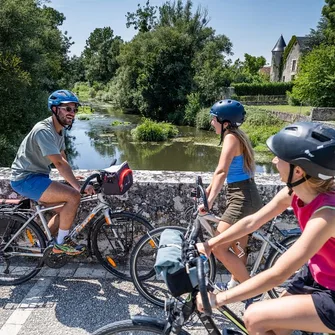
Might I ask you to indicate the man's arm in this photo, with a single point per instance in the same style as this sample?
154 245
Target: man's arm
64 169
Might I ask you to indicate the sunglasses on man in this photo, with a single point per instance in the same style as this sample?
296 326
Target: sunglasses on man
69 109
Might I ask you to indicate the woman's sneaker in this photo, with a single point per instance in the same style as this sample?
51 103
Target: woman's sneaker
68 247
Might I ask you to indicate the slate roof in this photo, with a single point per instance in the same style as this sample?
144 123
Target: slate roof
280 45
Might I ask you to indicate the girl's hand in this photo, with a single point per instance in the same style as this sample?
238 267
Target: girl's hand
212 301
203 248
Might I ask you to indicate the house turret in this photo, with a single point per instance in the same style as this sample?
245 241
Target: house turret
277 54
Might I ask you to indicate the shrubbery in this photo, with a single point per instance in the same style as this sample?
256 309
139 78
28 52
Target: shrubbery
150 130
203 119
259 126
271 88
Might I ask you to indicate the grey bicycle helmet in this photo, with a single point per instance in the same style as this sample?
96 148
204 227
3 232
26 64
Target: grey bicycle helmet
309 145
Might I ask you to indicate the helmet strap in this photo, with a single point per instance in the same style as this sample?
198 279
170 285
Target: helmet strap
289 183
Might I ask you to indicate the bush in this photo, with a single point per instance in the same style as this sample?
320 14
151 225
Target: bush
192 108
259 126
271 88
150 130
203 119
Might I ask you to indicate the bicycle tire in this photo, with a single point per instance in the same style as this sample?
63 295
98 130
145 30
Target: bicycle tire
17 269
272 259
142 261
129 227
137 325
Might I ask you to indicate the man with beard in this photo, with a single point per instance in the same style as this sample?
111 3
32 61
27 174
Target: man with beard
43 146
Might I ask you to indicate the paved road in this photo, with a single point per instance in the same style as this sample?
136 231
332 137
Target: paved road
76 299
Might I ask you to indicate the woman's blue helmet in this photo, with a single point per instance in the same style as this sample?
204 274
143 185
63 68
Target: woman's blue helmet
228 110
62 97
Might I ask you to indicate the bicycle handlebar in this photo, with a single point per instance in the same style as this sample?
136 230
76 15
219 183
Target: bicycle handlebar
203 287
200 192
93 176
198 261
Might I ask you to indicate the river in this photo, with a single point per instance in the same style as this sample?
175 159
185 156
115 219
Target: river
95 142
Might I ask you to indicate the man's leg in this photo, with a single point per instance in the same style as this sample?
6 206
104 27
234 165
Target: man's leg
57 193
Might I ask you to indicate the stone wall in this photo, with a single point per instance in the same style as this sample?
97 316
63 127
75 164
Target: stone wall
323 114
161 196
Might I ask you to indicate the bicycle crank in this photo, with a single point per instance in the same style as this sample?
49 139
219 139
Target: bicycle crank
54 261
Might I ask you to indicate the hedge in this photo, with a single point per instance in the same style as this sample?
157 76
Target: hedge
274 88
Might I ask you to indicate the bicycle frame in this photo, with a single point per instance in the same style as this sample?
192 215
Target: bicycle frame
40 209
266 239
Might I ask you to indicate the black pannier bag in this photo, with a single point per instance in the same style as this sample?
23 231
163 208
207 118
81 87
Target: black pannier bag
170 263
117 179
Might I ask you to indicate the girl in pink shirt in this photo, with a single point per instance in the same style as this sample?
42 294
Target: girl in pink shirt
305 159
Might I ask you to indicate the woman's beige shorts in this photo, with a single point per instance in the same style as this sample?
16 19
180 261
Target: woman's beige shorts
243 199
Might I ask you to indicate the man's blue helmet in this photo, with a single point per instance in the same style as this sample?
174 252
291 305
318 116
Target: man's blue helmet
62 97
228 111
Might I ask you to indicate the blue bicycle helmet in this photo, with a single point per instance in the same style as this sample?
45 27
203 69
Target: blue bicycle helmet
228 111
61 97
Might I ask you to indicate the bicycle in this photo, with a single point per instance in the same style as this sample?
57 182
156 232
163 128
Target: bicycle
25 247
152 287
180 312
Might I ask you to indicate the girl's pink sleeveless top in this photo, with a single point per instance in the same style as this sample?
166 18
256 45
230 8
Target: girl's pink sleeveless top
322 264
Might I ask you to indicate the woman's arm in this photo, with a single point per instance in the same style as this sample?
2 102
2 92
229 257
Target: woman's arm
318 230
252 222
229 150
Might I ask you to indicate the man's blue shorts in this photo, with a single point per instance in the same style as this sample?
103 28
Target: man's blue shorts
33 186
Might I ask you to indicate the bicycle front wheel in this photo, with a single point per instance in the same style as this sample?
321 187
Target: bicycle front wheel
21 259
138 325
272 259
151 286
113 242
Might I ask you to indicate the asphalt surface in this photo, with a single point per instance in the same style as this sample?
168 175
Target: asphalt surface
76 299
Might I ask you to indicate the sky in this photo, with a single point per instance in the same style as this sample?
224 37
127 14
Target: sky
253 26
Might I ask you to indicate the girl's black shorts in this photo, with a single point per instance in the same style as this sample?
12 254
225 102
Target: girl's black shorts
323 298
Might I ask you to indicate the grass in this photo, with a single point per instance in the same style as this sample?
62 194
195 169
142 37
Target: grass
305 110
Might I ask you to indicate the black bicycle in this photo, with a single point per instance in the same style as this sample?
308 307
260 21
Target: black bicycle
273 243
181 311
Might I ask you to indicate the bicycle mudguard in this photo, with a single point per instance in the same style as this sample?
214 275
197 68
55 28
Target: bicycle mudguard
144 319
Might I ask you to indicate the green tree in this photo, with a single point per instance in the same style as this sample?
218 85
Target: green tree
144 19
328 12
316 81
252 64
32 61
211 69
100 55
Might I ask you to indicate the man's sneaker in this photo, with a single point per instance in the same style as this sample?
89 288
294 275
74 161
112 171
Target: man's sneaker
69 248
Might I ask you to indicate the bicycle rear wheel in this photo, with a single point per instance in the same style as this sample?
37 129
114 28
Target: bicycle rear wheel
138 325
151 286
272 259
21 260
113 242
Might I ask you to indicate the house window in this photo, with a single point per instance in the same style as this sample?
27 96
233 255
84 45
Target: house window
292 77
283 78
294 65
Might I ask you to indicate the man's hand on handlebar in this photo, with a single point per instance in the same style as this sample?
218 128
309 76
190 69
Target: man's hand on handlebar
203 248
89 190
212 301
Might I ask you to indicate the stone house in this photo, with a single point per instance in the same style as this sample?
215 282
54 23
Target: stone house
285 58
